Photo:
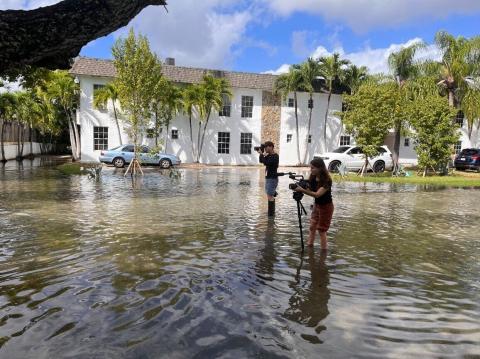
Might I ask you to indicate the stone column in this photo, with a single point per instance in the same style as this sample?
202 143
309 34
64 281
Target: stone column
271 115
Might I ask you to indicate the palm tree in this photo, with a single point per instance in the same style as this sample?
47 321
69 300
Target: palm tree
102 96
310 72
213 90
286 84
170 105
332 69
355 76
191 100
7 106
460 64
24 115
404 67
64 93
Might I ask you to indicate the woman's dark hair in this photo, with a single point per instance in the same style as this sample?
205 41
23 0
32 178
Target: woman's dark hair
324 174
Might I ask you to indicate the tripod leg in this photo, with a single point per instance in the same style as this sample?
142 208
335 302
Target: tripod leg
299 213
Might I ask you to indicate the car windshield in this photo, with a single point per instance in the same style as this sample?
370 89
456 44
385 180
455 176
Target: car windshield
469 152
115 148
341 149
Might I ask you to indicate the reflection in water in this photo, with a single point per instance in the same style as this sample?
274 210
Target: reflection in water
193 268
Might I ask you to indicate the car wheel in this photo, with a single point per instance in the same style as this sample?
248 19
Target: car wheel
165 163
379 167
333 167
118 162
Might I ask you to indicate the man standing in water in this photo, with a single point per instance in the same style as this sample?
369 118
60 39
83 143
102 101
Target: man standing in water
270 159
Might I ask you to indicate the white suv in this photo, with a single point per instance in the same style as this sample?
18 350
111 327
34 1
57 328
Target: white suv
353 159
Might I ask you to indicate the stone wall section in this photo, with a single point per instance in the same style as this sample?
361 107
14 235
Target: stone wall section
271 116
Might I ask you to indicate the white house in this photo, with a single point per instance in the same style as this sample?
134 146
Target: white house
252 116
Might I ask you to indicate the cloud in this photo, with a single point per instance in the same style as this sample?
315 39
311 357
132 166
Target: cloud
364 15
25 4
209 33
375 59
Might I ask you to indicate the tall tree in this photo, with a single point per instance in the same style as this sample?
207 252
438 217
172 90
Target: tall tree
369 117
213 90
332 69
7 109
136 65
310 72
64 93
191 101
171 103
404 67
102 97
354 77
286 84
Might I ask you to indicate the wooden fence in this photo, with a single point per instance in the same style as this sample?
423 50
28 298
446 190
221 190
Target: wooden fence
12 130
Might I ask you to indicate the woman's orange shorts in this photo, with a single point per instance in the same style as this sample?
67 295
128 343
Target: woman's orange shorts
321 217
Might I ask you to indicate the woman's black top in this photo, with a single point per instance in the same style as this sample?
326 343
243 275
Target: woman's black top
271 164
327 197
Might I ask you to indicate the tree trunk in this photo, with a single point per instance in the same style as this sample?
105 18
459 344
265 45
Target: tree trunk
166 137
203 134
30 130
326 120
307 144
116 122
191 134
76 135
296 128
73 143
51 36
198 140
451 97
2 144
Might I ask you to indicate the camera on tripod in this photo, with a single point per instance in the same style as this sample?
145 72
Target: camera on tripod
300 181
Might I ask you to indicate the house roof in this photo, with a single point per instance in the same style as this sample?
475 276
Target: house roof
84 66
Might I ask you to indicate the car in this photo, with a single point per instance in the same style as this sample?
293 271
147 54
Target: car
468 159
353 158
122 155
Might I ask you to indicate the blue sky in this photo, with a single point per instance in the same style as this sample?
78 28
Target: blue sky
268 35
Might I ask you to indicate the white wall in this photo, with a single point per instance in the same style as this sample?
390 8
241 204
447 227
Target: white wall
288 150
11 150
88 118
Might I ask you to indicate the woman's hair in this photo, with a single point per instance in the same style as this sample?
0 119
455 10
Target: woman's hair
323 174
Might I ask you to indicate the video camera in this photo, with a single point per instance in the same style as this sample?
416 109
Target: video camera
299 181
260 148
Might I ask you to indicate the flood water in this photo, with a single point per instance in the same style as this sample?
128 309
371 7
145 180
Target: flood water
192 268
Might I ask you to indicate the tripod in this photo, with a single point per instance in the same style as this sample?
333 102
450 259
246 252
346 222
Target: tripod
300 211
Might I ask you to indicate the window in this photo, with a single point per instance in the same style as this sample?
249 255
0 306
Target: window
407 142
128 148
459 118
226 106
97 87
145 149
245 143
458 147
289 138
310 103
224 142
344 140
356 151
174 134
100 138
247 106
344 107
381 150
291 102
309 138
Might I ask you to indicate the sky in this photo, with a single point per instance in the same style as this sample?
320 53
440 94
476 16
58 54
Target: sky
267 36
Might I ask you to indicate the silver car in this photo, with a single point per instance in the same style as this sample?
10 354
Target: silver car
119 156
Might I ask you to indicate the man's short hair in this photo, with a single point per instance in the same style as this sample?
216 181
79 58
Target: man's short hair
269 144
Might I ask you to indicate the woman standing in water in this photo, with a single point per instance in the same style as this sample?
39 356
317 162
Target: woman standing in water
321 190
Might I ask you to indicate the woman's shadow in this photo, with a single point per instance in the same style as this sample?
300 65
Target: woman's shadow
308 305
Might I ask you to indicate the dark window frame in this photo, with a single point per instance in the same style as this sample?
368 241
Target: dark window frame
246 140
345 140
289 137
291 102
223 143
247 106
458 147
100 138
226 110
174 134
406 142
460 118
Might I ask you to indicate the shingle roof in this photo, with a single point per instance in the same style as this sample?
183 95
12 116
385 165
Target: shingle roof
105 68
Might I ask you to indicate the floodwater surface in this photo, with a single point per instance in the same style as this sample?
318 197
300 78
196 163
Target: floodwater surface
192 268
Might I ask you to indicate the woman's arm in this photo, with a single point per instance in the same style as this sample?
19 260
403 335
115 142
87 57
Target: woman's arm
317 194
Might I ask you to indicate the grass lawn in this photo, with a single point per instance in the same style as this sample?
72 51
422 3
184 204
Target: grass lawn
457 179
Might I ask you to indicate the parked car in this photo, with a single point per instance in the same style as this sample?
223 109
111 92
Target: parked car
468 159
122 155
353 159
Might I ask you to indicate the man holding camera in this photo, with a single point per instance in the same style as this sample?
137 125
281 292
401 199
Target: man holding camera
270 159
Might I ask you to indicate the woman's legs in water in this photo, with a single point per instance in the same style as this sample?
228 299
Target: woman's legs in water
323 240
